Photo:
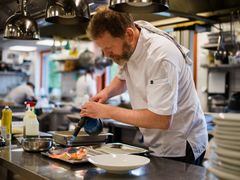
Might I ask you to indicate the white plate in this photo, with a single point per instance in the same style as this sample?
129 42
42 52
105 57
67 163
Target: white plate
228 116
227 137
226 122
234 162
225 165
227 141
231 133
118 163
226 129
234 147
220 172
228 153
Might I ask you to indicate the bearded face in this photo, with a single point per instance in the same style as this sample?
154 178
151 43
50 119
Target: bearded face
119 49
123 58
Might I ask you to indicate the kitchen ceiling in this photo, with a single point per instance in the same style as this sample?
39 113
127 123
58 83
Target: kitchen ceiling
207 11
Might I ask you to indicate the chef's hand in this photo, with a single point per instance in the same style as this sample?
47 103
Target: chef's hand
94 110
101 97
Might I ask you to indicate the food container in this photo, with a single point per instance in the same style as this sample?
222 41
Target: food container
63 137
36 144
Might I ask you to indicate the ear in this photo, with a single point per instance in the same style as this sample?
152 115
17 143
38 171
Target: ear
129 34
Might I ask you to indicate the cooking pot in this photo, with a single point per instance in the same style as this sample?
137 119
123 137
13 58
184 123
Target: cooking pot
36 144
86 59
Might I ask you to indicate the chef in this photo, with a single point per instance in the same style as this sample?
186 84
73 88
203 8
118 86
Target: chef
21 93
85 88
157 73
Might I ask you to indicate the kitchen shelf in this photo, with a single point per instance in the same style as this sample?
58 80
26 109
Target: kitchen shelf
213 47
222 67
67 59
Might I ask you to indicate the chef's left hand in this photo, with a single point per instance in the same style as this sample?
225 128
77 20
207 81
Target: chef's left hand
94 110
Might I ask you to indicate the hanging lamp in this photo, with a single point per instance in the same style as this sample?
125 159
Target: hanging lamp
139 6
21 25
67 11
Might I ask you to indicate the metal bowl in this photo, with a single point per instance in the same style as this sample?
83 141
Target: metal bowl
37 144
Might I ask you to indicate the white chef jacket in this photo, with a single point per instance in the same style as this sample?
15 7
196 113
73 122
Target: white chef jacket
20 94
85 87
159 79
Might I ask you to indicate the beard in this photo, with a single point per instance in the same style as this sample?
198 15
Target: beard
127 52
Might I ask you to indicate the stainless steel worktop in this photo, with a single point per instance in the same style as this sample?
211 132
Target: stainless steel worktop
15 163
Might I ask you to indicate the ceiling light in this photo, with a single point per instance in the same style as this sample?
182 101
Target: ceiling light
50 42
67 11
23 48
139 6
21 25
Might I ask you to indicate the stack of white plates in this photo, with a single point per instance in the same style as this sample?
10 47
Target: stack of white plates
224 160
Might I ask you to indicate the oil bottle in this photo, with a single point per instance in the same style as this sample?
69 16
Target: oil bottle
6 124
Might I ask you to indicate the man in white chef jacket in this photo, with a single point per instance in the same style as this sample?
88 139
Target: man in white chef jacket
21 93
85 88
156 71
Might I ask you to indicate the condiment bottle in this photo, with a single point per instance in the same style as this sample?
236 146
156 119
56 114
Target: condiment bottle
6 124
30 123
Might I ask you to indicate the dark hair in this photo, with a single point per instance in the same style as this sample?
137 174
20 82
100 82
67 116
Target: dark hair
107 20
31 84
90 70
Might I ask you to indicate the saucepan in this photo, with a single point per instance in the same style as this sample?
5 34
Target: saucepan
36 144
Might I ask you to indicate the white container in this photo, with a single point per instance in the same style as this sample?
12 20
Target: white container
30 124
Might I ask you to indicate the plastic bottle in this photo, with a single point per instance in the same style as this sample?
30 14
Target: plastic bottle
6 124
30 123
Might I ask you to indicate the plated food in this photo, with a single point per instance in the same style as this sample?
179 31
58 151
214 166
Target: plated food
69 154
80 154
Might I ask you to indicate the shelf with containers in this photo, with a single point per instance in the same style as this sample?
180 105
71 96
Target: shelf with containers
219 70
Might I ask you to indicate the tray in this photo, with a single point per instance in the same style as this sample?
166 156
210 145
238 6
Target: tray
71 161
111 148
62 137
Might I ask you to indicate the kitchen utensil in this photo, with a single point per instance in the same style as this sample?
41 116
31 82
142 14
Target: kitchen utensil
36 144
91 126
221 55
79 126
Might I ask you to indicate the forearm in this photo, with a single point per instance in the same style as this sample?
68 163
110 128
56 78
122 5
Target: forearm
116 87
140 118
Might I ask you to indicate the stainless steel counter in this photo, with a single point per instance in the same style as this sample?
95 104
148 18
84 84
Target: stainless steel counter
17 164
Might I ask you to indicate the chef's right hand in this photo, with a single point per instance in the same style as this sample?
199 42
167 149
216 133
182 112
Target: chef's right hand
101 97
